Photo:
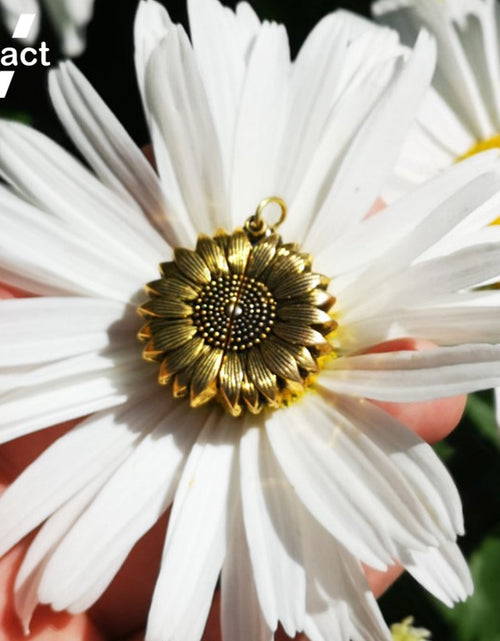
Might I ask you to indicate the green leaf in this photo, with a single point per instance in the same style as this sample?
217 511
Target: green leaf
478 619
19 116
482 414
444 450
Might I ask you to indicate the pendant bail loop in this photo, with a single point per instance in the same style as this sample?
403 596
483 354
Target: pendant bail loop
256 226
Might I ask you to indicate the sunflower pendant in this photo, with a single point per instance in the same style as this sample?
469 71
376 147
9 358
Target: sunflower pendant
241 320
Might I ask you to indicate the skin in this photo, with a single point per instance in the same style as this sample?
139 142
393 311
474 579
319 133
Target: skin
121 613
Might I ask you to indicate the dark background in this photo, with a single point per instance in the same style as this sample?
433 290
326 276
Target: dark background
108 59
472 453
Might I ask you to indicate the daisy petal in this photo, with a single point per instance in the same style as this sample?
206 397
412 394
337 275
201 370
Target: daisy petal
45 252
316 452
444 125
405 377
312 95
46 541
67 466
482 37
241 614
108 148
70 389
430 280
467 238
361 80
54 181
443 571
222 61
339 599
455 78
269 511
443 325
21 377
151 25
179 110
367 621
447 216
25 283
196 537
421 469
376 234
258 131
131 502
327 613
381 131
408 520
33 332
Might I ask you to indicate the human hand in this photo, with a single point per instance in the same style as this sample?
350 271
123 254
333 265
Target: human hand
120 614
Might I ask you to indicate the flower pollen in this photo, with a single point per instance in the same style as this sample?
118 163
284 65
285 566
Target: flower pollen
405 631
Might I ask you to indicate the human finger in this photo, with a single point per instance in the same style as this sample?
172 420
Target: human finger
431 420
125 604
46 625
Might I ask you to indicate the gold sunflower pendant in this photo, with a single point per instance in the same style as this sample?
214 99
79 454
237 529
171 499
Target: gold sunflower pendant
241 320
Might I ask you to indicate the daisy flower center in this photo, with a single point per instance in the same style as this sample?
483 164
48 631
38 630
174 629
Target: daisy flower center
242 319
405 631
478 147
481 145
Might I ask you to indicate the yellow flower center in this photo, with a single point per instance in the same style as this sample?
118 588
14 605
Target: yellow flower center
478 147
405 631
241 320
481 145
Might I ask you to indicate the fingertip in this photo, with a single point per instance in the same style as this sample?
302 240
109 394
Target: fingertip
378 581
13 292
61 626
431 420
46 625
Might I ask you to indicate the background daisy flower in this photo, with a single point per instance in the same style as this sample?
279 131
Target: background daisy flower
285 503
461 114
70 18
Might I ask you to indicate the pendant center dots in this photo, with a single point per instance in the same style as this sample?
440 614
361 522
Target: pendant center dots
233 309
234 312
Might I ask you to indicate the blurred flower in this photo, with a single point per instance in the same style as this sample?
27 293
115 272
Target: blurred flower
405 631
461 114
70 18
288 498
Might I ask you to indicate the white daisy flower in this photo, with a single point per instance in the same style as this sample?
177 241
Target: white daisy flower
283 478
70 19
461 114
